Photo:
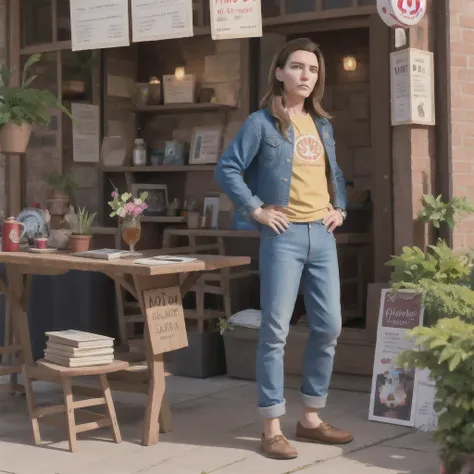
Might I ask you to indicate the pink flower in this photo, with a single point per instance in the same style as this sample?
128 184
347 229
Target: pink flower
114 194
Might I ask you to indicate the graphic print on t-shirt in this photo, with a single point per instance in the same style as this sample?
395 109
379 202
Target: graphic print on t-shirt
309 195
308 148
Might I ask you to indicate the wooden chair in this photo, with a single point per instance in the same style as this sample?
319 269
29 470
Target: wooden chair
43 370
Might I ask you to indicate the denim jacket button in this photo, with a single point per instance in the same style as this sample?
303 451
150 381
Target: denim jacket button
285 179
288 160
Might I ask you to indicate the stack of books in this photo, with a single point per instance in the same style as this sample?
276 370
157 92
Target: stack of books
73 348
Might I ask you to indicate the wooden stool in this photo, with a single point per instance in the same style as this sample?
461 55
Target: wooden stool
43 370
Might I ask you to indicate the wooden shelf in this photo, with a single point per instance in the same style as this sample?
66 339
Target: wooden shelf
179 108
157 169
164 219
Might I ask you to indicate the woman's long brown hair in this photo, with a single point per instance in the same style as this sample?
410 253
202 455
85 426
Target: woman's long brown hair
274 98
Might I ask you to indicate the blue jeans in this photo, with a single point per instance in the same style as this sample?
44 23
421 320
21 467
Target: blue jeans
305 253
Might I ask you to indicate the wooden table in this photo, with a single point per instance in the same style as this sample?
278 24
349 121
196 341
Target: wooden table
137 279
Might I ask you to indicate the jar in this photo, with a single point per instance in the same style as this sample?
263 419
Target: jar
139 152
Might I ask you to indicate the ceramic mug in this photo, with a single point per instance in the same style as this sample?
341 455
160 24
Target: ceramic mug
41 242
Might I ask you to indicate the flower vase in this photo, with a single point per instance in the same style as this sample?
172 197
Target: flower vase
131 232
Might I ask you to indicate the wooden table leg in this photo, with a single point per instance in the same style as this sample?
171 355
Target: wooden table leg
16 292
158 413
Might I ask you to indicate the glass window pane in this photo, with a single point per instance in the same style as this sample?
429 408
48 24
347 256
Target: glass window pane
77 69
300 6
207 14
270 8
47 71
333 4
36 22
64 21
195 13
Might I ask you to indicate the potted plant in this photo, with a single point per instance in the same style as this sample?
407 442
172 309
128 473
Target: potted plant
444 278
129 210
21 107
59 197
81 236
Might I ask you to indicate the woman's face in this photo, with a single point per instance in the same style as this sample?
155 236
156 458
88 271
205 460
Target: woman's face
299 75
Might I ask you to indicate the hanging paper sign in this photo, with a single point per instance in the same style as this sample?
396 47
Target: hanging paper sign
235 19
154 20
97 24
401 13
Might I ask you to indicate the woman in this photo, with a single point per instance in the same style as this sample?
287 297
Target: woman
280 172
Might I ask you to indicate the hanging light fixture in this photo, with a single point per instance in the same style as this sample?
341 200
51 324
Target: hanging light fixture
349 63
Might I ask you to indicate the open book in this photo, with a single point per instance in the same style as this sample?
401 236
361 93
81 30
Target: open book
164 260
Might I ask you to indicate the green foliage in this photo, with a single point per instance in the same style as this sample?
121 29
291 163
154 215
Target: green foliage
442 300
447 350
24 104
436 211
61 182
84 221
445 279
440 264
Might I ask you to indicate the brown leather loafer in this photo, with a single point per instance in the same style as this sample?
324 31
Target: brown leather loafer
324 434
278 447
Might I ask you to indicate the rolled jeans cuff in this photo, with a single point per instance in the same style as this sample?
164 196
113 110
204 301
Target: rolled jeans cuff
313 402
274 411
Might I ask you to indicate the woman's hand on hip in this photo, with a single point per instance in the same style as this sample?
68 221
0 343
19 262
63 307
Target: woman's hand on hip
333 219
272 218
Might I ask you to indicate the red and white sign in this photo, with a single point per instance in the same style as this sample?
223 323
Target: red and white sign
401 13
235 19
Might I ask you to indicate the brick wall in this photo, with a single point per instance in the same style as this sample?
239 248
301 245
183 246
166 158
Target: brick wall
461 19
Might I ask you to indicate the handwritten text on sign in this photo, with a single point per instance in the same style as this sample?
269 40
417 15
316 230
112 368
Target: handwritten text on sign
165 318
236 19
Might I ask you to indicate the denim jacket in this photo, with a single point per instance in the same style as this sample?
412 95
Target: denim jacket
256 167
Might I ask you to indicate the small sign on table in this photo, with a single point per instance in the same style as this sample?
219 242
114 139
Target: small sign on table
165 318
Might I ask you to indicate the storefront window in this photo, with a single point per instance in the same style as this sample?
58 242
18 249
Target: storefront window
36 22
271 8
77 70
299 6
333 4
64 20
47 71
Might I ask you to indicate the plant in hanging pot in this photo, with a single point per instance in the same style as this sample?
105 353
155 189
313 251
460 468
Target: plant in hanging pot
62 186
23 106
81 236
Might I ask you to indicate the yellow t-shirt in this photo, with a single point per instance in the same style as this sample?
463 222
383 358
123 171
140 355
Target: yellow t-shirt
309 193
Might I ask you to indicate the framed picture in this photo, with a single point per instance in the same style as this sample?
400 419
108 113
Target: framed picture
157 198
205 145
211 211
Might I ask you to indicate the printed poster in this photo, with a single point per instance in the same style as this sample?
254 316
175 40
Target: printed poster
86 132
235 19
412 87
393 397
97 24
154 20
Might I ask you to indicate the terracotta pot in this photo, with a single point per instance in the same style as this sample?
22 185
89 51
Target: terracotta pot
14 138
79 242
58 203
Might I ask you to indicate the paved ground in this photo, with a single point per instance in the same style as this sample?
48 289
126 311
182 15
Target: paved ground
215 431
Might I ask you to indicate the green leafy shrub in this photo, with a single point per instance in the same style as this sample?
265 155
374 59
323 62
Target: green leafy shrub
447 350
